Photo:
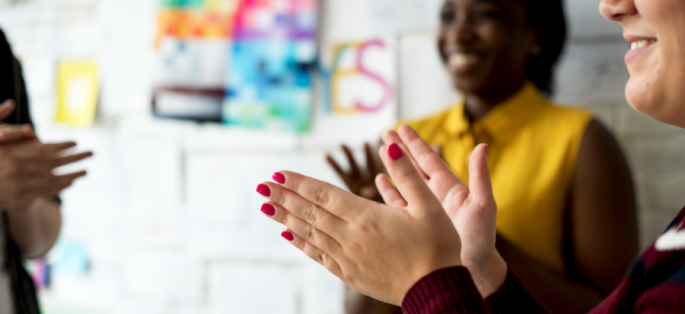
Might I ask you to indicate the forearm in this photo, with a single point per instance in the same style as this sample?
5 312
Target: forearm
36 229
556 292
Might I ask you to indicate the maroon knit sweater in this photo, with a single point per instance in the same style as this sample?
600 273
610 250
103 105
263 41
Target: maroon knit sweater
654 284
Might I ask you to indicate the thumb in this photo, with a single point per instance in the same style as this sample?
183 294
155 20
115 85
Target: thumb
6 109
479 176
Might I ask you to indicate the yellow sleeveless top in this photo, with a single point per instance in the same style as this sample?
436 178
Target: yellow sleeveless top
533 151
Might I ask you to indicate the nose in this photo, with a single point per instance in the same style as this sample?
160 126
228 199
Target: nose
461 31
617 10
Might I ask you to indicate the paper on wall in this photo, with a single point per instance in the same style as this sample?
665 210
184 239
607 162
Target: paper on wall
78 86
245 289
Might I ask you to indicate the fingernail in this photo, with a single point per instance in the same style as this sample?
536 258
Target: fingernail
279 177
487 149
395 151
288 236
264 190
268 210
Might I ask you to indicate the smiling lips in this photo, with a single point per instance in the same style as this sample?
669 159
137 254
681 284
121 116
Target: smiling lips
641 43
637 47
460 61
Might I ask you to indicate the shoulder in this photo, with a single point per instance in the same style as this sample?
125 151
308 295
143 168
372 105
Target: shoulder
564 115
430 124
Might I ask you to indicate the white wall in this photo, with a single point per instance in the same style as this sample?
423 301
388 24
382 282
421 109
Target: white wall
168 212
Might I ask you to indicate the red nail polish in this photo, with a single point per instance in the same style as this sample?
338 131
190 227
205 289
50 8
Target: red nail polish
487 150
288 236
395 151
268 210
264 190
279 177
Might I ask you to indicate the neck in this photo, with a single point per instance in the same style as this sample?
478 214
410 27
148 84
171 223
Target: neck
478 105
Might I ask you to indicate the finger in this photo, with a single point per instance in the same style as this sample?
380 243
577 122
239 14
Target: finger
354 169
65 160
303 229
339 171
388 191
6 109
479 176
57 147
37 150
44 185
409 182
314 253
14 133
392 137
442 179
331 199
304 209
370 161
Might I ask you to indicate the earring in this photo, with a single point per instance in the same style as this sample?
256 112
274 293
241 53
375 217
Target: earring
537 50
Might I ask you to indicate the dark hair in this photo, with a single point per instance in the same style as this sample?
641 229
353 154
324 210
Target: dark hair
548 17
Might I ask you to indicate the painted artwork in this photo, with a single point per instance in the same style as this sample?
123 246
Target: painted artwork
273 55
360 78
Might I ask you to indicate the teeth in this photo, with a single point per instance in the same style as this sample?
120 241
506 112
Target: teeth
462 59
641 43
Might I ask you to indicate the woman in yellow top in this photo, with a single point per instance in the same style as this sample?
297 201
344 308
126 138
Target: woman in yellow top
567 214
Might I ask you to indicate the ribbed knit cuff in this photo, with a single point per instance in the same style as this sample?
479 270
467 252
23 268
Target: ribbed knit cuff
513 298
449 290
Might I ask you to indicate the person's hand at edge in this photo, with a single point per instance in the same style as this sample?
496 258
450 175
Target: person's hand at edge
377 249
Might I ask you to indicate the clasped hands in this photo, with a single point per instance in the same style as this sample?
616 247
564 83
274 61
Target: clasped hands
431 220
27 164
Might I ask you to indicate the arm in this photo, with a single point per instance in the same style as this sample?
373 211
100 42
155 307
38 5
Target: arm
35 229
600 236
603 233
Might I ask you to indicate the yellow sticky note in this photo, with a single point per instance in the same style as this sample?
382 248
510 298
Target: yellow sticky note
78 85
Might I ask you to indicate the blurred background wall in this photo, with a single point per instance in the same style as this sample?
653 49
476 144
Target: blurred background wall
167 220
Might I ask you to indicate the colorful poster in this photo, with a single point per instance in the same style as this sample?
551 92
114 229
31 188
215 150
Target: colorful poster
360 78
78 85
273 55
185 19
191 55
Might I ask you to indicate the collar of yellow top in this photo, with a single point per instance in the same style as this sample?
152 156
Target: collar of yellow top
502 122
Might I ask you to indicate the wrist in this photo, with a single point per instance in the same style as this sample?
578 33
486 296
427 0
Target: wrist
489 275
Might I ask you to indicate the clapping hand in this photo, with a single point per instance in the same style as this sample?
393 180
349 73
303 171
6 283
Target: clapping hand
26 165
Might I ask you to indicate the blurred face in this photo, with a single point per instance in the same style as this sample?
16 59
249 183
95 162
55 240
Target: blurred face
655 30
485 44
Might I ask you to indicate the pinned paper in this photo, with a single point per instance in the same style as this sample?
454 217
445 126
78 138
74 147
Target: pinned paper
77 91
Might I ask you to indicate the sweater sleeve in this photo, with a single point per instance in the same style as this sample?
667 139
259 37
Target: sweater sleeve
452 290
449 290
513 298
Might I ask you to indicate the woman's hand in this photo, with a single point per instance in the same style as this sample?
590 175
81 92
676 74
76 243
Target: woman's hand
359 181
472 209
376 249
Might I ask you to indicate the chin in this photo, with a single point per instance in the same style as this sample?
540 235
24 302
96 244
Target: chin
642 96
